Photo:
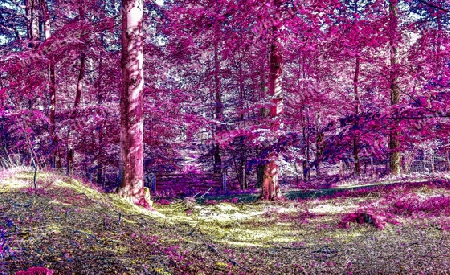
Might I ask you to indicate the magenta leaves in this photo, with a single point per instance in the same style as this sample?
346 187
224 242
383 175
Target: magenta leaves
400 202
36 270
433 206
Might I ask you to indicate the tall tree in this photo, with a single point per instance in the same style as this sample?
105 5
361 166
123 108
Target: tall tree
270 187
131 102
52 88
394 144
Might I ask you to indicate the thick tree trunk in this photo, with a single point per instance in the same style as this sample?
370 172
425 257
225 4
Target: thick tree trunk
131 102
270 187
394 144
357 112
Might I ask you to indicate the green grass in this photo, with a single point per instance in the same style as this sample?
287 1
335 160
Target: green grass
72 227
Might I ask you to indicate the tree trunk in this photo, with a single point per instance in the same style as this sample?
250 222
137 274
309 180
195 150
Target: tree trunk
70 150
52 89
243 155
356 136
32 12
319 152
270 187
52 116
306 166
73 117
100 129
262 114
218 104
131 102
394 144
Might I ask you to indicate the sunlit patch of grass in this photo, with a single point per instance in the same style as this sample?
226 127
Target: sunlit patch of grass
326 208
107 226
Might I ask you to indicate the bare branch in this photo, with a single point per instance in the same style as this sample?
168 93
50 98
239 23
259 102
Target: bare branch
433 6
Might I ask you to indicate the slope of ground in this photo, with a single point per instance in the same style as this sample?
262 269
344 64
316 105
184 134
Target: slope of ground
72 228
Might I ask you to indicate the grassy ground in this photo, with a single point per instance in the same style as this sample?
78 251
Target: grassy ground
75 229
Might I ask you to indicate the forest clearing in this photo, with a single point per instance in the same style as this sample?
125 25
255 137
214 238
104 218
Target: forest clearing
224 137
72 228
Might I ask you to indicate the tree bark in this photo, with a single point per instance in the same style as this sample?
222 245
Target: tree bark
270 188
218 103
319 152
52 90
394 144
100 129
243 155
32 12
356 136
305 164
131 102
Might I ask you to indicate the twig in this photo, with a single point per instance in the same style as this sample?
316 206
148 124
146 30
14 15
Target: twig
207 191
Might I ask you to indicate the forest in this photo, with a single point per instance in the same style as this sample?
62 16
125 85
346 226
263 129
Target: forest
230 126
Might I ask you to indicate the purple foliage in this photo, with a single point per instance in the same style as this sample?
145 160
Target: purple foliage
433 206
36 270
163 202
210 202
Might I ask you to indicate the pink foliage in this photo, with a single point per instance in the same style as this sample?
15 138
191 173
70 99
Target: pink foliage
36 270
433 206
210 202
144 203
163 202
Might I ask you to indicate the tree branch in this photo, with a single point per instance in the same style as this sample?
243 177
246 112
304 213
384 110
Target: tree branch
433 6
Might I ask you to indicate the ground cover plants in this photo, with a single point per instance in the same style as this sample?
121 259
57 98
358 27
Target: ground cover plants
70 227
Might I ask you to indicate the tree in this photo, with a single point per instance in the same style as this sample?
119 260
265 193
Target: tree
270 189
131 102
394 144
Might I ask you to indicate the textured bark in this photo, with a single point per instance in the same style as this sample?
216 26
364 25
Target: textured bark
131 102
79 84
101 128
242 171
263 113
305 164
52 115
394 144
70 150
319 152
32 8
218 104
270 187
357 112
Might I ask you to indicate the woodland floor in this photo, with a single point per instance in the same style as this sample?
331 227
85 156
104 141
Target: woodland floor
72 228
